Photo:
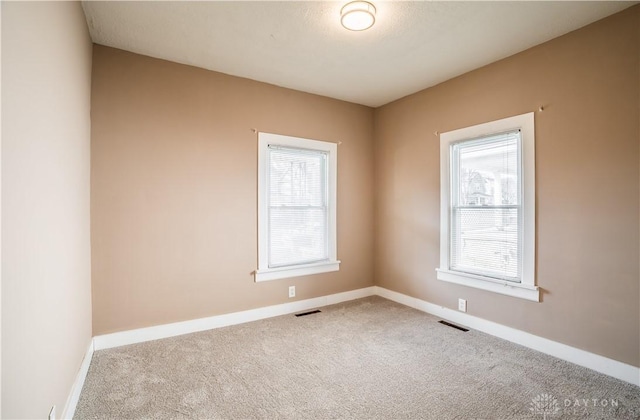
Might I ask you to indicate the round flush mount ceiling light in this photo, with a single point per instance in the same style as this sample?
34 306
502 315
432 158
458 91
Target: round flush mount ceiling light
358 15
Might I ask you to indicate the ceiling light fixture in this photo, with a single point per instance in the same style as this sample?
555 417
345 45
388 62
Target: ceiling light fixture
358 15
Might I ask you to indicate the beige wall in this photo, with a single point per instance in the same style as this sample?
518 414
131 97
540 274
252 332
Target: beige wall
587 151
46 298
173 190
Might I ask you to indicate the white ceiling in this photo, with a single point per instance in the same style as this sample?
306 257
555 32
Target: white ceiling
301 44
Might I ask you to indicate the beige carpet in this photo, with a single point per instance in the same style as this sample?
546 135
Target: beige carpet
365 359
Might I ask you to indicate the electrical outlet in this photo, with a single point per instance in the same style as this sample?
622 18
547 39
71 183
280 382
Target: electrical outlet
462 305
292 291
52 413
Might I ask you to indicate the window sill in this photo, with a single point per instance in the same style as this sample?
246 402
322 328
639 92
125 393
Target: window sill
296 271
518 290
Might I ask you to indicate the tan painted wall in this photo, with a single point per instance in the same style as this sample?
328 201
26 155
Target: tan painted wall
46 297
173 190
587 151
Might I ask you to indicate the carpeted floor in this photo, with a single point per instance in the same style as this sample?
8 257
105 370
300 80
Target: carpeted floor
365 359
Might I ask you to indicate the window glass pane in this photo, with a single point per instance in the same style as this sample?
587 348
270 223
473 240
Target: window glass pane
297 236
298 217
296 177
488 171
485 241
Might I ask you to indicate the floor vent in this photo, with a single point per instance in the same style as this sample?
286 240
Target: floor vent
309 313
457 327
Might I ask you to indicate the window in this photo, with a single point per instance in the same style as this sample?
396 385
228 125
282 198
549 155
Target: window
487 199
296 207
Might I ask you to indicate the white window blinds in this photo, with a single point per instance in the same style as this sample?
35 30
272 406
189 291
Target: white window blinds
297 205
486 206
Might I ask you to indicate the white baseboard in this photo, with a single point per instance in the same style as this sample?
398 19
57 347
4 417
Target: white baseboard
140 335
580 357
76 388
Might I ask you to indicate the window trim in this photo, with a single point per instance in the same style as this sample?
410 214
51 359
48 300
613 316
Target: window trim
264 272
527 288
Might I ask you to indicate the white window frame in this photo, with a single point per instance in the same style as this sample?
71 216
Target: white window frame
264 272
526 288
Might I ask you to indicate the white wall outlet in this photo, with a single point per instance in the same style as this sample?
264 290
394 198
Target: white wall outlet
292 291
462 305
52 413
